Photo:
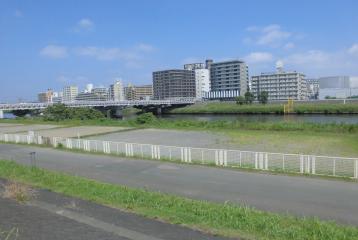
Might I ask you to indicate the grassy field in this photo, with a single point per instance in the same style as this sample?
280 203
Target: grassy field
223 219
299 108
287 137
317 143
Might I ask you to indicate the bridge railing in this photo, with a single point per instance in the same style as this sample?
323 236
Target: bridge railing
264 161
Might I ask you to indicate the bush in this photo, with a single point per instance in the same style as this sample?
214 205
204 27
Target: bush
60 112
146 118
240 100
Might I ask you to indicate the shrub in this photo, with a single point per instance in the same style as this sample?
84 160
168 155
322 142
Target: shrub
146 118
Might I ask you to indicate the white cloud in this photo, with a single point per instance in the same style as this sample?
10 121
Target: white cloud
354 49
270 35
18 13
316 57
84 25
54 51
145 47
259 57
106 54
289 46
273 35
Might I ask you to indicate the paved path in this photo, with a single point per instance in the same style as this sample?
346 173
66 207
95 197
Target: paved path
327 199
53 216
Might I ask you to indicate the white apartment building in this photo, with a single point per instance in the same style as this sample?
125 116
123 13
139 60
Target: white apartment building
202 82
116 91
202 78
69 93
280 85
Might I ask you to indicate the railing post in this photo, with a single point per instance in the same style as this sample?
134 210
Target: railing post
216 157
356 169
256 162
334 167
301 164
313 164
266 161
202 156
283 162
240 161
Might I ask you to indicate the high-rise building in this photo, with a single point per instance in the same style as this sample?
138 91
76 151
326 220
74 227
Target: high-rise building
312 88
176 83
45 97
144 92
202 78
334 82
116 92
69 93
280 85
228 76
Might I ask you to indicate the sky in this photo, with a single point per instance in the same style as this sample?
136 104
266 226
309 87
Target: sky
50 44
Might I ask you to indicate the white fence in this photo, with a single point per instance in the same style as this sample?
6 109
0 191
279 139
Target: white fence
297 163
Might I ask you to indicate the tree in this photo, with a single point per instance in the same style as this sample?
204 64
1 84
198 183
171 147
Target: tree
240 100
60 112
263 97
249 97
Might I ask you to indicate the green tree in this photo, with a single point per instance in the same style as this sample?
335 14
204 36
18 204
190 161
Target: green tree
249 97
263 97
60 112
240 100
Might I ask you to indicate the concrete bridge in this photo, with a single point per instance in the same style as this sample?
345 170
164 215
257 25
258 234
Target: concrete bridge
157 105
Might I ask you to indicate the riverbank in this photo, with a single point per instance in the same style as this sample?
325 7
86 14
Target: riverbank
291 137
271 108
220 219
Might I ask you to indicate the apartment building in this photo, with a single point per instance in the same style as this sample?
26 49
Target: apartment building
228 76
69 93
175 83
280 85
144 92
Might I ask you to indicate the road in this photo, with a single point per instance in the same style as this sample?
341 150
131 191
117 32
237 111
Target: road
53 216
327 199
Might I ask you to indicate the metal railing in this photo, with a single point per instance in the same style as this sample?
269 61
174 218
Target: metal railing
267 161
23 106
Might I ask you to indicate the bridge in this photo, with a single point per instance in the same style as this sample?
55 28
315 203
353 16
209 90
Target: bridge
157 104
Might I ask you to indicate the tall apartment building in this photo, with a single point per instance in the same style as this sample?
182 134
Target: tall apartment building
176 83
144 92
228 76
116 91
334 82
69 93
280 85
202 78
45 97
312 88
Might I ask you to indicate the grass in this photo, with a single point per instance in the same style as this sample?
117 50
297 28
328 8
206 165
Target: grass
19 192
223 219
201 125
298 142
272 108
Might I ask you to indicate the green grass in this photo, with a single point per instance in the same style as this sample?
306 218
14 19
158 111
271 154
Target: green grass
273 108
201 125
223 219
299 142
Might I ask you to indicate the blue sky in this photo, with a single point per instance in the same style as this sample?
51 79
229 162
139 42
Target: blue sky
49 44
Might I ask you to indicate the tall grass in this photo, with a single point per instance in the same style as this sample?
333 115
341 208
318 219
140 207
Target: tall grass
205 125
299 108
223 219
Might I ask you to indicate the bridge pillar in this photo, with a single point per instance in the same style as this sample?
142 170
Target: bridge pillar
1 114
159 111
118 113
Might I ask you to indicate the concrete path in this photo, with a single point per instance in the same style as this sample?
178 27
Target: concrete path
53 216
327 199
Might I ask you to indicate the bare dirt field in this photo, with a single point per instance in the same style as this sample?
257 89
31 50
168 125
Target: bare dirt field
168 137
16 128
80 131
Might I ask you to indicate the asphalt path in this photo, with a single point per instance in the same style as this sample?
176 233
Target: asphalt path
326 199
49 215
